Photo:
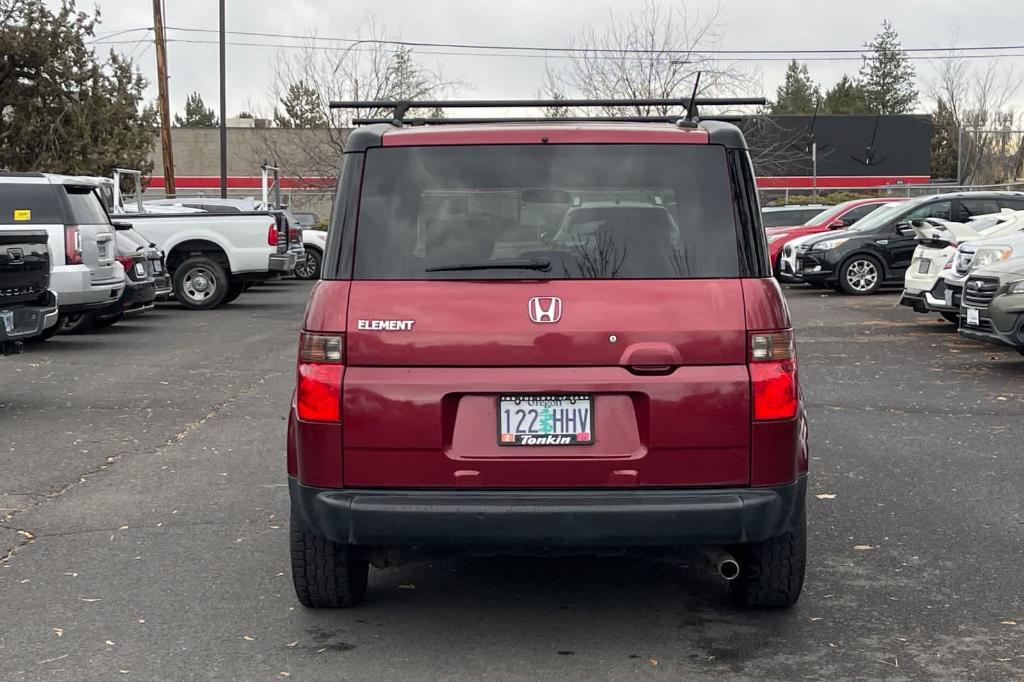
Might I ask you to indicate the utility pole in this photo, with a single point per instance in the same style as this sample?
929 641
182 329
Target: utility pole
164 104
223 114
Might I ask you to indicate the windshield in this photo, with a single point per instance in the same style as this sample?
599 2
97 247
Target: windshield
827 215
880 217
546 212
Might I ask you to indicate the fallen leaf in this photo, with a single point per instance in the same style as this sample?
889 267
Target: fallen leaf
1008 622
90 600
72 574
123 528
826 496
142 620
26 534
109 643
652 661
248 638
58 631
862 547
816 618
292 644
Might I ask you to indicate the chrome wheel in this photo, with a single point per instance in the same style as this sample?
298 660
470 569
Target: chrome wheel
862 275
306 268
199 284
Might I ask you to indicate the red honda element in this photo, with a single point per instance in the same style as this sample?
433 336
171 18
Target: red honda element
562 336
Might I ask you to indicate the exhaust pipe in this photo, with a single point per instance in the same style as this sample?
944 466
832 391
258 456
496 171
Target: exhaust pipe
723 562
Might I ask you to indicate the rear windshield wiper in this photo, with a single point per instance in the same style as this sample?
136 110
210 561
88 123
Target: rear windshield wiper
541 264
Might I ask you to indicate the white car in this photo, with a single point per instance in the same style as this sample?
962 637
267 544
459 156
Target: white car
938 240
309 266
975 255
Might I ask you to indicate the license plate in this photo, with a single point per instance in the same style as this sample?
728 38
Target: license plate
155 264
973 317
949 297
923 266
140 269
7 317
543 420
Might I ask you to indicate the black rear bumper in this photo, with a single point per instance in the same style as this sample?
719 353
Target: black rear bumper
548 518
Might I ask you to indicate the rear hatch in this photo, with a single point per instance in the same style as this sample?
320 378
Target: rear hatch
89 232
24 266
482 351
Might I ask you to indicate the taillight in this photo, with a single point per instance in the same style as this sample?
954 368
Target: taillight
126 261
949 263
773 375
272 235
321 365
72 245
293 234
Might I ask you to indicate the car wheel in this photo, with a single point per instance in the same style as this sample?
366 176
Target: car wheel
309 266
75 323
951 317
772 572
200 283
235 290
326 575
860 275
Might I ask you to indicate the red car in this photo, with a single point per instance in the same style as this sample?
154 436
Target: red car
835 218
547 336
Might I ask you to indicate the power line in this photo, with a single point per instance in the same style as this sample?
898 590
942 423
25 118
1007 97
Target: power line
519 55
103 38
534 48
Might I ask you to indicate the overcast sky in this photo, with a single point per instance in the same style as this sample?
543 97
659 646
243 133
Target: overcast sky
745 24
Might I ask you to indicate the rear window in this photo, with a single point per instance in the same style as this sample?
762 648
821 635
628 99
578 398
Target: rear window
85 206
29 204
547 212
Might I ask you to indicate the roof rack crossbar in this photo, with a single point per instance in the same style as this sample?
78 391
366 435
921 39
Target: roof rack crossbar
537 119
401 107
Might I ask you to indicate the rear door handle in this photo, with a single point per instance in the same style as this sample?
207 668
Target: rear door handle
651 357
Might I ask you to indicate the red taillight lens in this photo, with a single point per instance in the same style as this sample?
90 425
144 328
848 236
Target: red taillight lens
773 376
321 365
126 261
272 235
293 234
72 245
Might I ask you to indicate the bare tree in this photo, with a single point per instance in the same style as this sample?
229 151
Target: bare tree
980 102
655 53
368 68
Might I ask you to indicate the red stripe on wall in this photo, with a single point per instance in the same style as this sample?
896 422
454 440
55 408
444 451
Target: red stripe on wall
207 182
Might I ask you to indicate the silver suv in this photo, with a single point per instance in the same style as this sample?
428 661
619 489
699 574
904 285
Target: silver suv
84 273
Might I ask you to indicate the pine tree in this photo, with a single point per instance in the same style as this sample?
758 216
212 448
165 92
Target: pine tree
845 97
197 114
944 141
887 74
798 94
302 108
62 109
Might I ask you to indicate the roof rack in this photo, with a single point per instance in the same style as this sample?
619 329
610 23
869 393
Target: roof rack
539 119
401 107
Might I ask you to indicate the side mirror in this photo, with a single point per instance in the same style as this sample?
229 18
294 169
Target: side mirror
837 224
118 225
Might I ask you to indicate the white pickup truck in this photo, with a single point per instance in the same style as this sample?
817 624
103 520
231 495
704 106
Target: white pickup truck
213 257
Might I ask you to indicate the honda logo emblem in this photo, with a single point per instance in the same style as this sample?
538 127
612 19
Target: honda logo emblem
545 309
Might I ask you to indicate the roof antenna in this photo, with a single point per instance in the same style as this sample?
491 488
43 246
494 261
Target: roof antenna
691 108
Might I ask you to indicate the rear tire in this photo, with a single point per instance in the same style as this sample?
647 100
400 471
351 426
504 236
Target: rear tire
326 575
951 317
235 290
861 275
772 572
200 283
309 267
108 321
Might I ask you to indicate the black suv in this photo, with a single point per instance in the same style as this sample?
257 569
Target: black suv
879 248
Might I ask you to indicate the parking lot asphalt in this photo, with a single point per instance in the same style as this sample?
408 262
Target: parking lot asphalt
144 525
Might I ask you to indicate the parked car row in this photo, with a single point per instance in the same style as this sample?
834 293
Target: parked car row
71 261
